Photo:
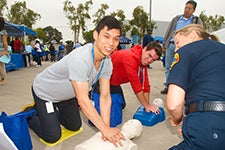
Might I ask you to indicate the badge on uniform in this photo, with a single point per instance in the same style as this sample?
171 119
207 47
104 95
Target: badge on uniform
176 59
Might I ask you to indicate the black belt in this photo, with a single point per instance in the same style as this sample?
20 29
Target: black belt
218 106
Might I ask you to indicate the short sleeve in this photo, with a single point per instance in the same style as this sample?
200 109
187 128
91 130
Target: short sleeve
78 68
180 69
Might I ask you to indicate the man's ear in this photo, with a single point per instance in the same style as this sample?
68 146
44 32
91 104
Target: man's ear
145 48
95 34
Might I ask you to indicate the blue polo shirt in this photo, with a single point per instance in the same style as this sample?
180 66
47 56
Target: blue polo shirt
199 69
182 22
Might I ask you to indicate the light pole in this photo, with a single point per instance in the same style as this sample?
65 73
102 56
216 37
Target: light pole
150 12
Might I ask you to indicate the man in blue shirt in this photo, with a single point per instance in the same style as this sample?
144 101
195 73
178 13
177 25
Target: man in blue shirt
177 22
147 38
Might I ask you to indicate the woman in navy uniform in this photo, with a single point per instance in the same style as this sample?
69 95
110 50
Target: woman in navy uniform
197 81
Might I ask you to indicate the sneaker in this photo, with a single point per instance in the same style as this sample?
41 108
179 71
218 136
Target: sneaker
124 108
164 91
149 67
38 66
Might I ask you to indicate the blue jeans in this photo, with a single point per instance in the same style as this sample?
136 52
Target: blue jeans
169 59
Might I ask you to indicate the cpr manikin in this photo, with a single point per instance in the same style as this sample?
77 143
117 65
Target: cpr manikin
131 129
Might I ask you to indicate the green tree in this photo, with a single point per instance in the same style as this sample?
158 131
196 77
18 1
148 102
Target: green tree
20 14
41 34
100 13
140 22
211 23
50 34
3 6
119 14
88 36
77 17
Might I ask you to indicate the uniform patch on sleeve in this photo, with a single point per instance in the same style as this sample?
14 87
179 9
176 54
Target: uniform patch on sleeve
176 59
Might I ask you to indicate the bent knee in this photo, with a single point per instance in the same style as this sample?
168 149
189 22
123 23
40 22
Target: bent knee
74 127
52 138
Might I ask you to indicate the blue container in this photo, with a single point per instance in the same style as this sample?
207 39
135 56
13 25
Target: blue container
149 118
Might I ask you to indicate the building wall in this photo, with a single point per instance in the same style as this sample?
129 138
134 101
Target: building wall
160 30
161 27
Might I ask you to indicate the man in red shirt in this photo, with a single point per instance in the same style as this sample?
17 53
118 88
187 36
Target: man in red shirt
132 66
17 45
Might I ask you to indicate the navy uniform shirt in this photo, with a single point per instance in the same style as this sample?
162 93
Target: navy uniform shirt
199 69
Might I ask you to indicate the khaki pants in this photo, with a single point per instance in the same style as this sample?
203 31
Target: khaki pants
2 67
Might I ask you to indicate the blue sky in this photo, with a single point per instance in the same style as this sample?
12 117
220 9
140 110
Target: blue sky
162 10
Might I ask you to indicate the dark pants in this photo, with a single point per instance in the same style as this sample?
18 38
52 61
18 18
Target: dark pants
37 57
203 131
25 56
47 124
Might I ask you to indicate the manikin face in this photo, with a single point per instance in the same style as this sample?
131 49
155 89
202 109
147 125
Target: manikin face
107 40
148 56
132 128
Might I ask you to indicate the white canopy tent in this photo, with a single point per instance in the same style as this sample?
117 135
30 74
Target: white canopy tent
221 34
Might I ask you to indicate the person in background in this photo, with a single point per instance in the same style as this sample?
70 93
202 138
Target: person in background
196 81
11 44
17 45
37 53
3 49
177 22
61 50
28 51
52 52
61 90
147 38
46 52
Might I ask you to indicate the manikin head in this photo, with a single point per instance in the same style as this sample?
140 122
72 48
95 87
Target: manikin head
132 128
158 102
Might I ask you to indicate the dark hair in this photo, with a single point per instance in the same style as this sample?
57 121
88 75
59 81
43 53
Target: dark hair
2 23
149 30
110 22
192 3
156 46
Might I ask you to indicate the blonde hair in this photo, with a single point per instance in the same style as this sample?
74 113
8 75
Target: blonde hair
200 30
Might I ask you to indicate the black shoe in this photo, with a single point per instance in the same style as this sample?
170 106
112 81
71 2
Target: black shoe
164 91
30 108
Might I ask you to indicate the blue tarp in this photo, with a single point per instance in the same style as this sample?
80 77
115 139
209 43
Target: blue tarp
27 30
159 39
124 40
12 30
18 30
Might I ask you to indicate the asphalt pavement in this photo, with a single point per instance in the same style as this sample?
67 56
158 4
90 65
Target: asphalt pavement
16 93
